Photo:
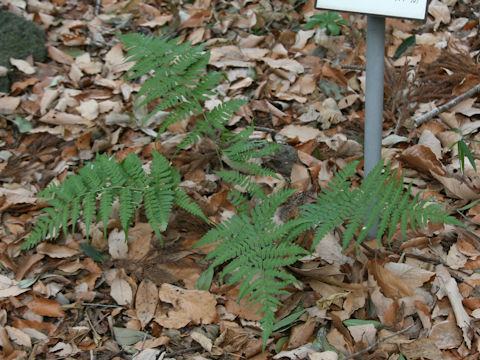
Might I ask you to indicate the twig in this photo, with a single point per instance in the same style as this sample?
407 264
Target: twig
183 351
352 356
421 119
103 305
353 67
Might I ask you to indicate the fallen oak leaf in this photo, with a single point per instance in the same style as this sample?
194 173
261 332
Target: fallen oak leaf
146 301
46 307
189 306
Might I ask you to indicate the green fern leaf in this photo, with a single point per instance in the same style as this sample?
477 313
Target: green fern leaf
107 198
256 248
178 78
106 180
381 197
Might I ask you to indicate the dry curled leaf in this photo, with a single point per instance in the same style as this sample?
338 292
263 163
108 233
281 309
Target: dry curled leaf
146 301
189 306
422 159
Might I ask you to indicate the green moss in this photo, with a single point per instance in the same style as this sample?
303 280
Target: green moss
19 38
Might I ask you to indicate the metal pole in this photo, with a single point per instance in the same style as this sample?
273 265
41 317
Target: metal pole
374 91
374 95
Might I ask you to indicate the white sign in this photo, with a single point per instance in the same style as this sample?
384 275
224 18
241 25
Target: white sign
409 9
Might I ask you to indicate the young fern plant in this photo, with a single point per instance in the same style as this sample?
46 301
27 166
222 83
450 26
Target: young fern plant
101 182
256 249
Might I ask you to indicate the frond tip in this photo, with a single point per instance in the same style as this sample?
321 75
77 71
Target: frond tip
90 194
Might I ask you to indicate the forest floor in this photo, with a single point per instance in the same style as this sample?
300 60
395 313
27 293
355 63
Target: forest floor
305 88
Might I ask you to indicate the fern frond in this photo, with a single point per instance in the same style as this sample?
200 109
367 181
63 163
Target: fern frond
381 197
178 78
244 182
104 180
182 200
215 119
256 248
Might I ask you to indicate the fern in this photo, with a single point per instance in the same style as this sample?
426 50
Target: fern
257 248
254 248
380 197
212 121
104 181
178 78
241 154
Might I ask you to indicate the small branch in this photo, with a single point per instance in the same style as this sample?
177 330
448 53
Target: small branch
103 305
352 356
183 351
421 119
353 67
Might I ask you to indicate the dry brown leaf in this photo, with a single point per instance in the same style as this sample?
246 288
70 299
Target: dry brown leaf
117 246
18 194
429 140
157 21
48 97
88 109
202 339
330 250
445 285
59 56
27 264
363 333
440 12
46 307
5 342
85 64
18 336
146 301
8 104
391 285
421 158
414 276
446 334
56 251
9 287
353 301
301 334
456 188
336 339
242 309
325 355
455 259
303 133
121 291
304 85
300 177
139 239
448 138
189 306
152 343
421 349
229 56
285 64
23 66
62 118
254 53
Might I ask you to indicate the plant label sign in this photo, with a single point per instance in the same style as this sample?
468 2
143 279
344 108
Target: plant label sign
408 9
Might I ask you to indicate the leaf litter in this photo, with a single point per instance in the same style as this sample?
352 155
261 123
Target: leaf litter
305 87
